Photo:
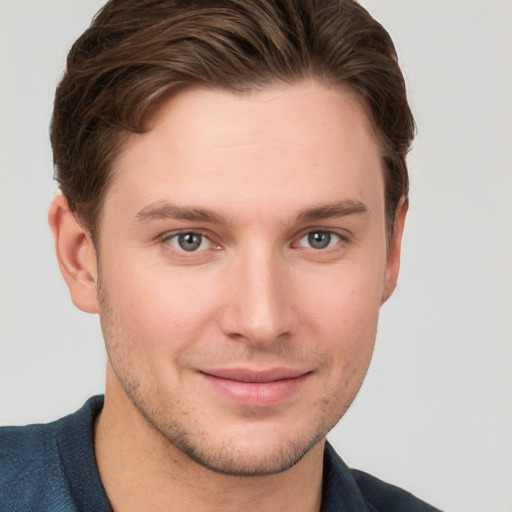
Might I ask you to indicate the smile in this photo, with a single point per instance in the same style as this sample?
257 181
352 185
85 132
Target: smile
248 388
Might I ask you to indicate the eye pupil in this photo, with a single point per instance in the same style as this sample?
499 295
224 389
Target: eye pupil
319 239
189 241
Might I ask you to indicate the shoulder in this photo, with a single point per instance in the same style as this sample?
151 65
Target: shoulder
366 492
33 475
31 470
387 497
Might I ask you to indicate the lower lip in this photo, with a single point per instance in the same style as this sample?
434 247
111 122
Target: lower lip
257 394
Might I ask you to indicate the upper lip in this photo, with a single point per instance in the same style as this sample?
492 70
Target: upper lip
254 376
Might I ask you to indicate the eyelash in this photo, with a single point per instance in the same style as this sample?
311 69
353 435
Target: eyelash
339 239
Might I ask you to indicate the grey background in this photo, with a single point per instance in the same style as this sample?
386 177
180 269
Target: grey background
435 414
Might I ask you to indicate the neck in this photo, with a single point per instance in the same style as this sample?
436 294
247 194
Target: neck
141 470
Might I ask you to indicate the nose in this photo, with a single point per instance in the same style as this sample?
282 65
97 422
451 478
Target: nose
258 309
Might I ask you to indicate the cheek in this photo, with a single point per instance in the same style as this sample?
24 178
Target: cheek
342 315
158 308
345 300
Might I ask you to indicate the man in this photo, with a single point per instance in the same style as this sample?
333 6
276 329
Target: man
234 191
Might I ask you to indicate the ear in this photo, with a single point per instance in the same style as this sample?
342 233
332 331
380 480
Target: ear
76 255
394 250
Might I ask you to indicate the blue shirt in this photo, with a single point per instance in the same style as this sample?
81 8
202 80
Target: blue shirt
52 468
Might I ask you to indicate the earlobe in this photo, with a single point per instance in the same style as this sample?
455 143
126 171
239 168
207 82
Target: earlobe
76 255
394 250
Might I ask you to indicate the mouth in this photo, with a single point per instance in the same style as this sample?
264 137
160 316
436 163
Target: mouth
254 388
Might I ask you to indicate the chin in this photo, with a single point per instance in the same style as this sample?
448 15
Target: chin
246 448
250 459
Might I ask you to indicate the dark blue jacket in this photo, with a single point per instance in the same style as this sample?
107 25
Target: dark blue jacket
51 468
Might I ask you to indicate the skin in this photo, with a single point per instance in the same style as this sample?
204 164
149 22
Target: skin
260 182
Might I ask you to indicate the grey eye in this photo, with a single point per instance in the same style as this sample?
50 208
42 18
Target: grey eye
190 241
319 239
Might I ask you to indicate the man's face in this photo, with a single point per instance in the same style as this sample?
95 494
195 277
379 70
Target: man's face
243 262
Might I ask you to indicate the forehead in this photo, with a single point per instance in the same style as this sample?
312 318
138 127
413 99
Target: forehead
286 145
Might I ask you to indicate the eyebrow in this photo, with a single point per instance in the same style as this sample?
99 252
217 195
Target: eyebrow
331 210
163 210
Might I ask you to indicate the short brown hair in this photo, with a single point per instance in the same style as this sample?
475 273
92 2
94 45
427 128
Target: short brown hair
137 52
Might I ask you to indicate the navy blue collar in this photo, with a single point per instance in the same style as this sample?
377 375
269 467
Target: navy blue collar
343 489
